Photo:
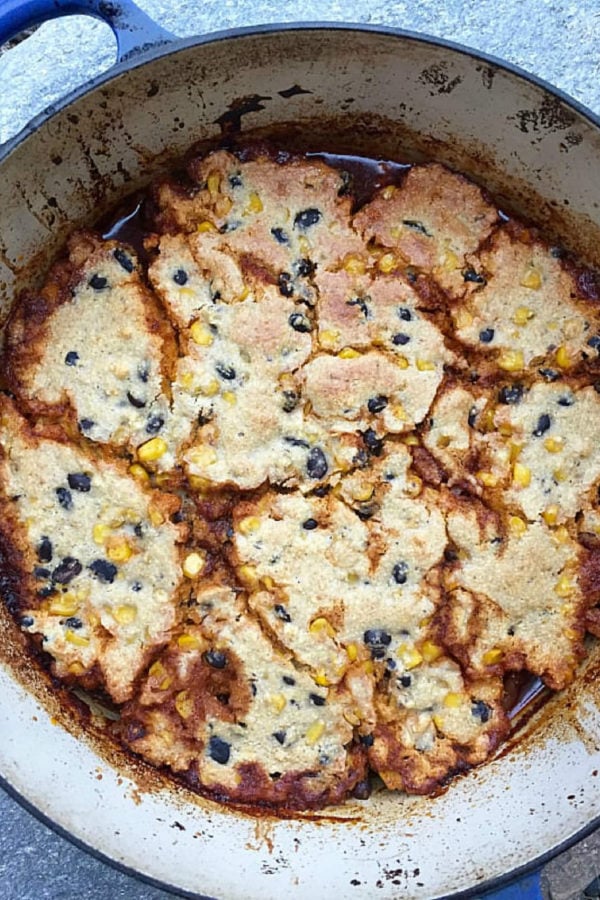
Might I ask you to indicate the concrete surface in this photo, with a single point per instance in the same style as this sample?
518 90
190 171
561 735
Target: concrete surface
558 40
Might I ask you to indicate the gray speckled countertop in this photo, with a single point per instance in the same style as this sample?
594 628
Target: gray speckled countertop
558 40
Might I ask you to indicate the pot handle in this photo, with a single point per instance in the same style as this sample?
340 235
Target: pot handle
529 887
133 29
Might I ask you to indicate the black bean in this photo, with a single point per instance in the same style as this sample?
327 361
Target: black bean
73 622
400 572
404 314
79 481
135 401
300 322
296 442
72 358
406 681
543 424
44 549
317 699
280 235
219 750
307 218
64 497
235 180
366 511
322 490
284 283
416 226
511 394
362 790
362 304
377 404
287 679
304 267
215 658
367 740
136 587
154 424
279 737
143 371
481 711
310 524
103 570
566 400
377 637
180 277
226 372
66 570
86 424
472 417
450 554
472 275
204 416
486 336
41 572
282 613
316 463
47 591
400 339
123 259
594 342
373 444
97 282
26 621
549 374
290 401
223 699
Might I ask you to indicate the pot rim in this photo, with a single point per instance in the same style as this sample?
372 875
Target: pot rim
141 57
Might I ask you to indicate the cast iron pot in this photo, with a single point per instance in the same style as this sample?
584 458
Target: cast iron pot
363 90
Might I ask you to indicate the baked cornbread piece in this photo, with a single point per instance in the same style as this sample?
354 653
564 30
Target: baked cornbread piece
224 705
527 311
97 554
94 346
433 221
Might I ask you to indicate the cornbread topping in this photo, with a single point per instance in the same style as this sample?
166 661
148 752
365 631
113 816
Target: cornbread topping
272 483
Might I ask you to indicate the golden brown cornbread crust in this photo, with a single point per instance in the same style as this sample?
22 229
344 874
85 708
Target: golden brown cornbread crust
274 485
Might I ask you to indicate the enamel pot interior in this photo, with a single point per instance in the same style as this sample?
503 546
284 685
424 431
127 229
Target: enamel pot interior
364 92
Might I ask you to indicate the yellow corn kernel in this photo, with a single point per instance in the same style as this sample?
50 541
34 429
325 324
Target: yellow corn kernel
488 479
119 551
430 651
562 535
352 652
200 334
101 532
255 204
571 634
398 412
514 451
438 721
76 668
511 360
157 670
210 389
202 456
522 315
278 702
491 657
564 587
314 732
353 577
362 492
268 582
78 640
505 429
554 445
213 182
165 683
321 624
229 397
125 614
321 679
193 564
402 362
559 475
152 450
63 605
550 515
354 265
414 486
248 524
517 526
138 472
410 656
387 263
388 192
521 475
349 353
368 667
352 717
424 622
198 483
188 642
425 365
156 516
184 704
186 292
328 339
562 357
411 440
450 261
453 700
206 226
463 319
532 279
249 575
